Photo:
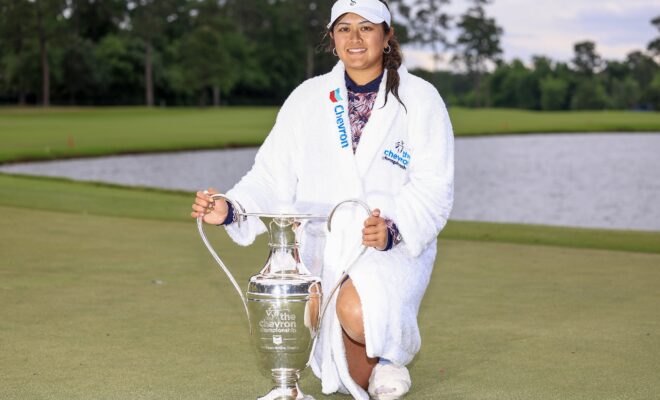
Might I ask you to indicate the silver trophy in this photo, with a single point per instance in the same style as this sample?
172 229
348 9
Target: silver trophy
283 302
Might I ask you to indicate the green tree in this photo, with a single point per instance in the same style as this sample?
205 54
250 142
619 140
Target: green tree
207 63
654 46
620 85
542 68
653 93
48 26
626 93
279 49
644 70
586 60
94 19
314 15
78 69
148 21
505 84
615 70
590 94
554 92
641 67
515 86
478 42
19 52
119 69
427 24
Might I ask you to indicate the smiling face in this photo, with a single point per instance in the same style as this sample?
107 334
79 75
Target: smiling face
360 46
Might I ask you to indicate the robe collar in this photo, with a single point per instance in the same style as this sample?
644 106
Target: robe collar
366 88
374 133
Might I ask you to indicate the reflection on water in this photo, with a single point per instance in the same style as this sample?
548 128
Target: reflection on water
588 180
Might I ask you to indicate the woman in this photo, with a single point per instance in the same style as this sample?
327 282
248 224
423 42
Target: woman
368 130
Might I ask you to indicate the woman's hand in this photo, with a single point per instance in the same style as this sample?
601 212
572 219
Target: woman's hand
214 211
375 231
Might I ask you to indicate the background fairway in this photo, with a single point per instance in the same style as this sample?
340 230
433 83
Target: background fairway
108 293
32 133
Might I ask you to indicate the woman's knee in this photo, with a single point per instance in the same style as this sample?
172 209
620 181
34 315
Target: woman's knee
349 312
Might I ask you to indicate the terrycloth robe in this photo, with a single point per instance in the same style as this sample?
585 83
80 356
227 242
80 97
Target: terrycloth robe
403 165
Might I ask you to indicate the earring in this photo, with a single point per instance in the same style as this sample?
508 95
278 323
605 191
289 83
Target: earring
388 49
334 51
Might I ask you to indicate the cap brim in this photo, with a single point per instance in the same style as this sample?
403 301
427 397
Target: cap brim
374 19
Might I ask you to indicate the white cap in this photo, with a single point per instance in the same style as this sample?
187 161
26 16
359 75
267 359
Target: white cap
373 11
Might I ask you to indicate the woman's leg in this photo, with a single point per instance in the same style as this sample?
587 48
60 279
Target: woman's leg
349 312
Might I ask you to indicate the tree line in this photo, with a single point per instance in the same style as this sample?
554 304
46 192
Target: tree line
201 52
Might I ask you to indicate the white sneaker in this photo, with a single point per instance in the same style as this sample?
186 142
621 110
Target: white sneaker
389 382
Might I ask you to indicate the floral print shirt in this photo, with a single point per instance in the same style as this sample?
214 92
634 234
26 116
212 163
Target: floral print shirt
361 101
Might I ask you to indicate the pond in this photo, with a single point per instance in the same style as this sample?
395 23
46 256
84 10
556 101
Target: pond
583 180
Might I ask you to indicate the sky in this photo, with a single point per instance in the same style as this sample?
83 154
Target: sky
551 27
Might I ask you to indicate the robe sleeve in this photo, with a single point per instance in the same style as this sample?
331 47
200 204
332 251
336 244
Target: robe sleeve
422 206
270 184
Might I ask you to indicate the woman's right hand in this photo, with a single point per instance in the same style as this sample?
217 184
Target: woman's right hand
214 211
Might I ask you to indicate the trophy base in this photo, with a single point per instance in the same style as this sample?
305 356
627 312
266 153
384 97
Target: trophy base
286 386
278 393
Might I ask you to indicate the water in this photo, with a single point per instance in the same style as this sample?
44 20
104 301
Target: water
190 170
584 180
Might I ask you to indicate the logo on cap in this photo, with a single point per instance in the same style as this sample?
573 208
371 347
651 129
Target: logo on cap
353 2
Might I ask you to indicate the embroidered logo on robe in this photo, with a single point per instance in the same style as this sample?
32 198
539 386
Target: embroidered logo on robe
335 96
339 118
399 156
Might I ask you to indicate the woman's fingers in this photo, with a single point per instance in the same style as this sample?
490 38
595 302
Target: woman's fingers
375 236
375 228
200 209
378 244
202 199
204 205
374 233
371 221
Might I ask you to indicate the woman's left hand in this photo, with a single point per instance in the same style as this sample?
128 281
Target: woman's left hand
375 231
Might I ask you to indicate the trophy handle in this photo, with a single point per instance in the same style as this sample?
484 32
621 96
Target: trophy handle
200 227
356 201
344 274
363 249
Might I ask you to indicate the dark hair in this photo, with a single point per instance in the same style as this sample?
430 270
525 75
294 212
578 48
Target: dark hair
391 60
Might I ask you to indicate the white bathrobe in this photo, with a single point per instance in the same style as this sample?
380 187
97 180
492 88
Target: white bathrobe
403 165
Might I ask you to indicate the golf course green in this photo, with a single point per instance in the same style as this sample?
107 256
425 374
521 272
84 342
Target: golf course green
108 293
36 133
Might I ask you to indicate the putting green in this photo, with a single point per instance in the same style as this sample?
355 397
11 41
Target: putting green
101 302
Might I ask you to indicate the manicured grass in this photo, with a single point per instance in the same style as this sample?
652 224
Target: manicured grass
469 122
34 133
45 134
108 293
68 196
